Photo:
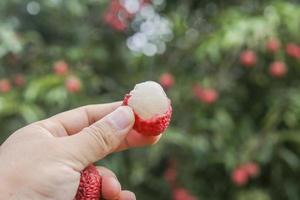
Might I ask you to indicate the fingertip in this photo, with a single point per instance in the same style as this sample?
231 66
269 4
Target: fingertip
111 188
127 195
103 171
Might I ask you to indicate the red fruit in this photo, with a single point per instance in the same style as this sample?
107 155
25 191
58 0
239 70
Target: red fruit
252 169
273 45
171 174
166 80
73 84
5 86
182 194
60 68
277 69
197 89
240 176
209 96
19 80
206 95
117 16
90 184
248 58
152 108
293 50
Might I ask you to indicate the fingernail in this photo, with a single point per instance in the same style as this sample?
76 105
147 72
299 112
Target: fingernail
121 118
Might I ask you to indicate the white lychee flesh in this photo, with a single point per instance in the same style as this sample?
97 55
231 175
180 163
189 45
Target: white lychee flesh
148 99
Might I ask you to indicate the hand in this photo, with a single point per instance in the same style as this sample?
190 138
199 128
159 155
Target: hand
43 160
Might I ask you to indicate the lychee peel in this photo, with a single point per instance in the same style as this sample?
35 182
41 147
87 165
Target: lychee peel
152 108
90 184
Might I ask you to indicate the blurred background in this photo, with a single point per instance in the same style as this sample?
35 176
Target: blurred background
231 69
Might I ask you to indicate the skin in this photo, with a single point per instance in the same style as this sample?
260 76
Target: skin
43 160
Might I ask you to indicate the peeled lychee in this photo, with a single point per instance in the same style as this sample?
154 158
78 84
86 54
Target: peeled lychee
151 106
90 184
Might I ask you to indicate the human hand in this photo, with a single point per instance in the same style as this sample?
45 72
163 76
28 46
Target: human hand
43 160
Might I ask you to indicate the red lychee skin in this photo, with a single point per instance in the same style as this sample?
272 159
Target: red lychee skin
153 126
273 45
19 80
240 176
209 96
117 16
205 95
278 69
166 80
5 86
61 68
73 85
252 169
182 194
170 175
293 50
90 184
248 58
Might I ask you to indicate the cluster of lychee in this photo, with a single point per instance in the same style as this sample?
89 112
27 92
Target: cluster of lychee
152 110
170 176
206 95
72 83
6 84
118 17
277 68
61 68
241 175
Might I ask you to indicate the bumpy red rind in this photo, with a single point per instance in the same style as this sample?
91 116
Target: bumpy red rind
90 184
153 126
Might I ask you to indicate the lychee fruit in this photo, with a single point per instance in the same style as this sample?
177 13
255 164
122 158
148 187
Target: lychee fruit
248 58
252 169
60 68
19 80
240 176
278 69
273 45
152 108
90 184
205 95
166 80
5 86
170 174
73 84
182 194
293 50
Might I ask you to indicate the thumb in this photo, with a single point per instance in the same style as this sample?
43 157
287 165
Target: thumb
100 139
